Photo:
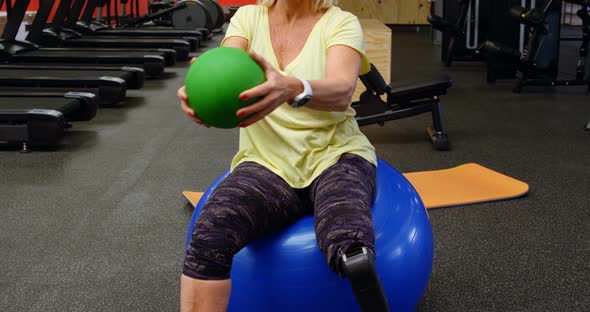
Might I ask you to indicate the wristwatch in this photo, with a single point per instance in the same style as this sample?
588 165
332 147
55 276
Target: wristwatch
305 96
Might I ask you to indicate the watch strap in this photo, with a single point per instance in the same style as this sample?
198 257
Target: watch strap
304 96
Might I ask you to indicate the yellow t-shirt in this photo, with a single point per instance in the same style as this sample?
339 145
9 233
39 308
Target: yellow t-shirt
298 144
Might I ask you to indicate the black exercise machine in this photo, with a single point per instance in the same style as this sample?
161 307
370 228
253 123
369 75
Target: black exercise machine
15 52
41 118
99 29
196 14
111 91
216 12
200 13
70 23
537 63
404 99
462 29
109 83
187 15
58 36
544 33
94 28
134 77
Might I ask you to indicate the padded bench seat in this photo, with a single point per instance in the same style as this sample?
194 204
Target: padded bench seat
404 99
410 91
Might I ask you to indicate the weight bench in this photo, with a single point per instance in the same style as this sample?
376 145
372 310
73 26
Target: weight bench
404 99
39 118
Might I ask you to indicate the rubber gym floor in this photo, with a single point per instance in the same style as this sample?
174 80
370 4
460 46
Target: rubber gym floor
99 224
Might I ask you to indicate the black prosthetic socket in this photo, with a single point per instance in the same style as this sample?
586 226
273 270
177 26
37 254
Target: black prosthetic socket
358 265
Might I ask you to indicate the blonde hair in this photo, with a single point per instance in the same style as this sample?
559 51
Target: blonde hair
317 4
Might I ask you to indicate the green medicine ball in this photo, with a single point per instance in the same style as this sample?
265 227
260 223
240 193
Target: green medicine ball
214 83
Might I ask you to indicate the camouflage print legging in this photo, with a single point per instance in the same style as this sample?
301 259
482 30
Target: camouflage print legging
253 201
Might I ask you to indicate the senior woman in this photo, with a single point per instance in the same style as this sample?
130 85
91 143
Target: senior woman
300 151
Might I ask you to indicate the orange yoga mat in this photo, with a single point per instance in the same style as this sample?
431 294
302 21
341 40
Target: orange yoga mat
193 197
462 185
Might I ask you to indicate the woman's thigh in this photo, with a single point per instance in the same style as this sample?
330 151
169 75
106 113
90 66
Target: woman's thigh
249 203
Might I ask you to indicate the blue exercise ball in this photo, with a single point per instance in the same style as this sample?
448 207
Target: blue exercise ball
288 272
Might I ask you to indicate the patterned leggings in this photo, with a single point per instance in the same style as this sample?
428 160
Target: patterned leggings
253 201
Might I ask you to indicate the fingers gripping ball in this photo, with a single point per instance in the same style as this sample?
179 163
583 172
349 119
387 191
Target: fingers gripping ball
214 83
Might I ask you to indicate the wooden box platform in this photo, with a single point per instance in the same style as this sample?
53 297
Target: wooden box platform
378 48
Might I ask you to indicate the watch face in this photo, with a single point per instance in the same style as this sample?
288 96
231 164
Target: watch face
302 101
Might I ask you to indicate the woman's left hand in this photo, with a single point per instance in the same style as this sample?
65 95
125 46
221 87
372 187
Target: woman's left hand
277 90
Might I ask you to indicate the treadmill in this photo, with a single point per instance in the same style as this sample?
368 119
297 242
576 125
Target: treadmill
194 37
110 90
13 51
185 15
134 77
36 33
58 36
109 83
41 118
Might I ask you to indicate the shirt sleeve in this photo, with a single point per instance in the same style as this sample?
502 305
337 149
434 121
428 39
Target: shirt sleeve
347 31
239 26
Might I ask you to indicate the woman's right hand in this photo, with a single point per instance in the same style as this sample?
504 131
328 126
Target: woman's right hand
184 103
186 108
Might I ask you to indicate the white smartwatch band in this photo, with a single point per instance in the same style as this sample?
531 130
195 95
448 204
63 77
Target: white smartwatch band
305 96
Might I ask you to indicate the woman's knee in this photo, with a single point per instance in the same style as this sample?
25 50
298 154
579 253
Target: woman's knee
221 230
211 250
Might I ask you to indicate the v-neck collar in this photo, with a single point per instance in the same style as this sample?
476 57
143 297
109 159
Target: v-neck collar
274 55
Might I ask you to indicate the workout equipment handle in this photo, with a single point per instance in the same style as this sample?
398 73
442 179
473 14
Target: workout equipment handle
374 82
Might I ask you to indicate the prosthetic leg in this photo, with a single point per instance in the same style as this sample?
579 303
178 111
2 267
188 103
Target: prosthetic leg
358 266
